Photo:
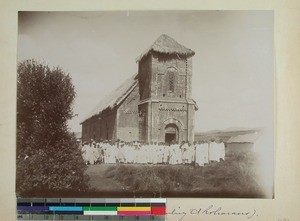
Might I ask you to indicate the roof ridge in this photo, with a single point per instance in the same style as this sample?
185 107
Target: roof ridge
114 98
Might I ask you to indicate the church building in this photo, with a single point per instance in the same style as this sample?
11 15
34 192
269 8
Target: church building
154 105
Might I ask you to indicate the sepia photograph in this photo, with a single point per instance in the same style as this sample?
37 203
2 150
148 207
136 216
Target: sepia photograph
145 104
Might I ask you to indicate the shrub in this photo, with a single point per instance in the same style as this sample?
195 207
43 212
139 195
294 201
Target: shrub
48 158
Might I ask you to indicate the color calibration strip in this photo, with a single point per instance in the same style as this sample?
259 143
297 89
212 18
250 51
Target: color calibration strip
91 209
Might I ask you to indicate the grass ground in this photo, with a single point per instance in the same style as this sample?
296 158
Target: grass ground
234 177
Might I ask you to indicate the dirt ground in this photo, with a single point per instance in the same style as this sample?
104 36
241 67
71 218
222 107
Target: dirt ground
98 181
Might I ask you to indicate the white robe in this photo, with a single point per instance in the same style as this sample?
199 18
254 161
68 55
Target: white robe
190 153
148 155
90 155
141 155
172 160
201 154
106 152
160 153
178 154
213 152
84 153
129 153
154 153
120 155
221 151
112 154
100 153
96 153
184 149
166 154
205 150
137 154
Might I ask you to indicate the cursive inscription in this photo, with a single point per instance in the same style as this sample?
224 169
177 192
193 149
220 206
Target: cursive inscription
210 210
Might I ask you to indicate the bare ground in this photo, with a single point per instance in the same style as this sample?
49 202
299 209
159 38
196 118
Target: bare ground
98 181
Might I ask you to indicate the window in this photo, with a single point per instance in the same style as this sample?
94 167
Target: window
171 82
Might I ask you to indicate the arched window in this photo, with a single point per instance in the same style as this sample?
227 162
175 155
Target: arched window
171 79
171 82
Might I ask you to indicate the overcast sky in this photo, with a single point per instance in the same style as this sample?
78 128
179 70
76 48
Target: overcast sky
232 67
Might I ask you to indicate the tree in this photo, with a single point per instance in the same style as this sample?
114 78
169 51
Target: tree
48 157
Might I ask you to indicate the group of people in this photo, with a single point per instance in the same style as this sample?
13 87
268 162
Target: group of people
198 153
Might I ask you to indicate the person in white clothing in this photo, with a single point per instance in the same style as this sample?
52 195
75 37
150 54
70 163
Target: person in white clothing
213 151
160 153
178 154
91 159
222 150
137 153
105 152
172 159
166 153
154 154
96 152
205 152
190 157
199 161
84 152
184 152
120 153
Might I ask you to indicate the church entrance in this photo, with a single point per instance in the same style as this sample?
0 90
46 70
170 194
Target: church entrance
171 133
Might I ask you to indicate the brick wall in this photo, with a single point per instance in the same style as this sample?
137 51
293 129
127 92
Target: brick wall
161 67
108 127
165 113
145 70
100 127
143 122
128 124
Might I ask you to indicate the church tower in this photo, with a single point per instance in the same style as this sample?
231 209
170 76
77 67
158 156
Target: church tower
166 109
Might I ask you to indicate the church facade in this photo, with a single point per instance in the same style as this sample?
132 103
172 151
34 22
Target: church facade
154 105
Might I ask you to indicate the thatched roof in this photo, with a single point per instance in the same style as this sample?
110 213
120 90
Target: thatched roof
114 98
167 45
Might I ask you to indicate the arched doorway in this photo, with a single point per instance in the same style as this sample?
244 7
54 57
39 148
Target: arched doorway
171 133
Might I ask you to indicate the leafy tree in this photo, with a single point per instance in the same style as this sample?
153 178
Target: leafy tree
48 158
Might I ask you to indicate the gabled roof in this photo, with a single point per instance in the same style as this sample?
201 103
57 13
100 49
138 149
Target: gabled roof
114 98
167 45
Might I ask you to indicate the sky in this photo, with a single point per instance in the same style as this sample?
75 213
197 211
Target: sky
232 67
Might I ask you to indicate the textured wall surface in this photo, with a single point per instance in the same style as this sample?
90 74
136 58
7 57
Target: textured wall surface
161 68
145 70
128 124
100 127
